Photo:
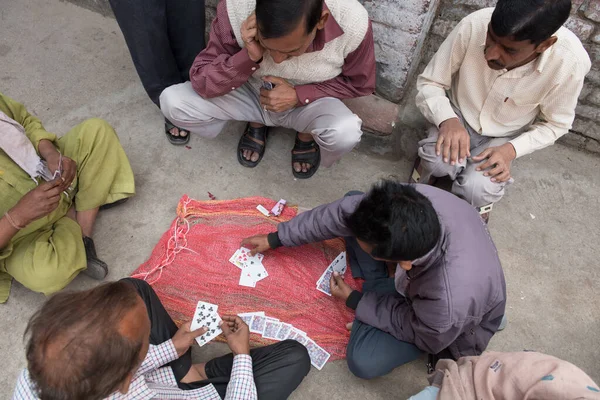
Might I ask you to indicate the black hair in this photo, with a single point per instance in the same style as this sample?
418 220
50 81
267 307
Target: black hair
397 220
533 20
277 18
75 350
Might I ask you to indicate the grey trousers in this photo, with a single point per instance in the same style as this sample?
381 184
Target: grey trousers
334 127
469 184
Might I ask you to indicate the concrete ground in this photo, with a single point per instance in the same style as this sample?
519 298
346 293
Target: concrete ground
68 64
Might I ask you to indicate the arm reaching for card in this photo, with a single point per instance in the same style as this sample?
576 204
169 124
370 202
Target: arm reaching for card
324 222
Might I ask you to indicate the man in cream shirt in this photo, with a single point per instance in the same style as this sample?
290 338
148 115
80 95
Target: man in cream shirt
504 84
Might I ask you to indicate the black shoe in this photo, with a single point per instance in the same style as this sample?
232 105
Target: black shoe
96 268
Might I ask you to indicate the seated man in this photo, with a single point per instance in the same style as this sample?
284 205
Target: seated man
50 192
513 77
117 341
448 295
280 63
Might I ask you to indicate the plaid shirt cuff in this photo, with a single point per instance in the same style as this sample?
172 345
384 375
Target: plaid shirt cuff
241 384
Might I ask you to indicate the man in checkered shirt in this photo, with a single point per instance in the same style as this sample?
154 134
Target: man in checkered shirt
117 341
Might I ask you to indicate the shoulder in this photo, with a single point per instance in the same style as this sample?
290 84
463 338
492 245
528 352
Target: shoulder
477 21
24 389
568 56
352 17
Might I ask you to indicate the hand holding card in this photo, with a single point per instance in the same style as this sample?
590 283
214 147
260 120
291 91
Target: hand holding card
184 337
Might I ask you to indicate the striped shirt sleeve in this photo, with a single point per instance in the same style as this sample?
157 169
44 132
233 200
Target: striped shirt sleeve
158 356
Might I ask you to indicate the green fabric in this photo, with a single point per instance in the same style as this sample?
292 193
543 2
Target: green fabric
49 252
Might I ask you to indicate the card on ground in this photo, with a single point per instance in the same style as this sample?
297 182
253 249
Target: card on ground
247 317
284 331
294 333
303 340
247 279
318 356
256 272
258 324
272 326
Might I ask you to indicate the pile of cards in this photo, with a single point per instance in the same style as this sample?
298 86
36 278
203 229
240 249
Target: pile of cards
272 328
337 265
252 268
206 316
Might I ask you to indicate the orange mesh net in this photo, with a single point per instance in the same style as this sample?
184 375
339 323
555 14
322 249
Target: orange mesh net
191 263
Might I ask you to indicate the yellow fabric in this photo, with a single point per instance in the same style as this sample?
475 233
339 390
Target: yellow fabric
49 252
504 103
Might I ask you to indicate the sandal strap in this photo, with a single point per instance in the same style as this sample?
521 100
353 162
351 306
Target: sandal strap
307 156
254 133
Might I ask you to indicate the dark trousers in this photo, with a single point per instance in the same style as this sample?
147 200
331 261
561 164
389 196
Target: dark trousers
163 37
278 368
372 352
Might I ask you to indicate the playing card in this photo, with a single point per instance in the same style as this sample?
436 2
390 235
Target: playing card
323 282
318 356
234 259
257 325
203 315
284 331
247 279
256 272
272 326
303 340
339 264
294 333
247 317
214 330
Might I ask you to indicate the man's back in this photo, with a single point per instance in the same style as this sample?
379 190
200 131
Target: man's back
463 275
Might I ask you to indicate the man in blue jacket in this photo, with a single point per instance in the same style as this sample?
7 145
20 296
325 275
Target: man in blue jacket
447 294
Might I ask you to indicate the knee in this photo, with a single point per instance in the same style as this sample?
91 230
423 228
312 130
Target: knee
361 364
171 103
347 131
49 279
478 190
97 129
298 356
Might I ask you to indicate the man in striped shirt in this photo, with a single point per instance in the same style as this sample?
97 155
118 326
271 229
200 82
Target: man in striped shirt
117 341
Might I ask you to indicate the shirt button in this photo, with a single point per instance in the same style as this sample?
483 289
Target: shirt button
253 68
307 101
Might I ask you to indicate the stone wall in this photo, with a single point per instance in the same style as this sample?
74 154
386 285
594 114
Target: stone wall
584 21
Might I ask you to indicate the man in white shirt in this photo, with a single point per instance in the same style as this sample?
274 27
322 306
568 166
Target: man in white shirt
117 341
504 84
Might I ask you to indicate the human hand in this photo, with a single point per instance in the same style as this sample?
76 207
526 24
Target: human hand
67 168
37 203
453 142
257 244
184 337
499 158
249 32
281 98
339 289
237 334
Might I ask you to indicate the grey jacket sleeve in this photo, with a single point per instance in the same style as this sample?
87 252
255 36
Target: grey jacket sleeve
430 330
324 222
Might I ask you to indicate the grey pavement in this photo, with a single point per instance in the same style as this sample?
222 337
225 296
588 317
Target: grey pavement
68 64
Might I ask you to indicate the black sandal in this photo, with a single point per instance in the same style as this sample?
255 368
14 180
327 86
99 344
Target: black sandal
176 140
247 143
307 156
